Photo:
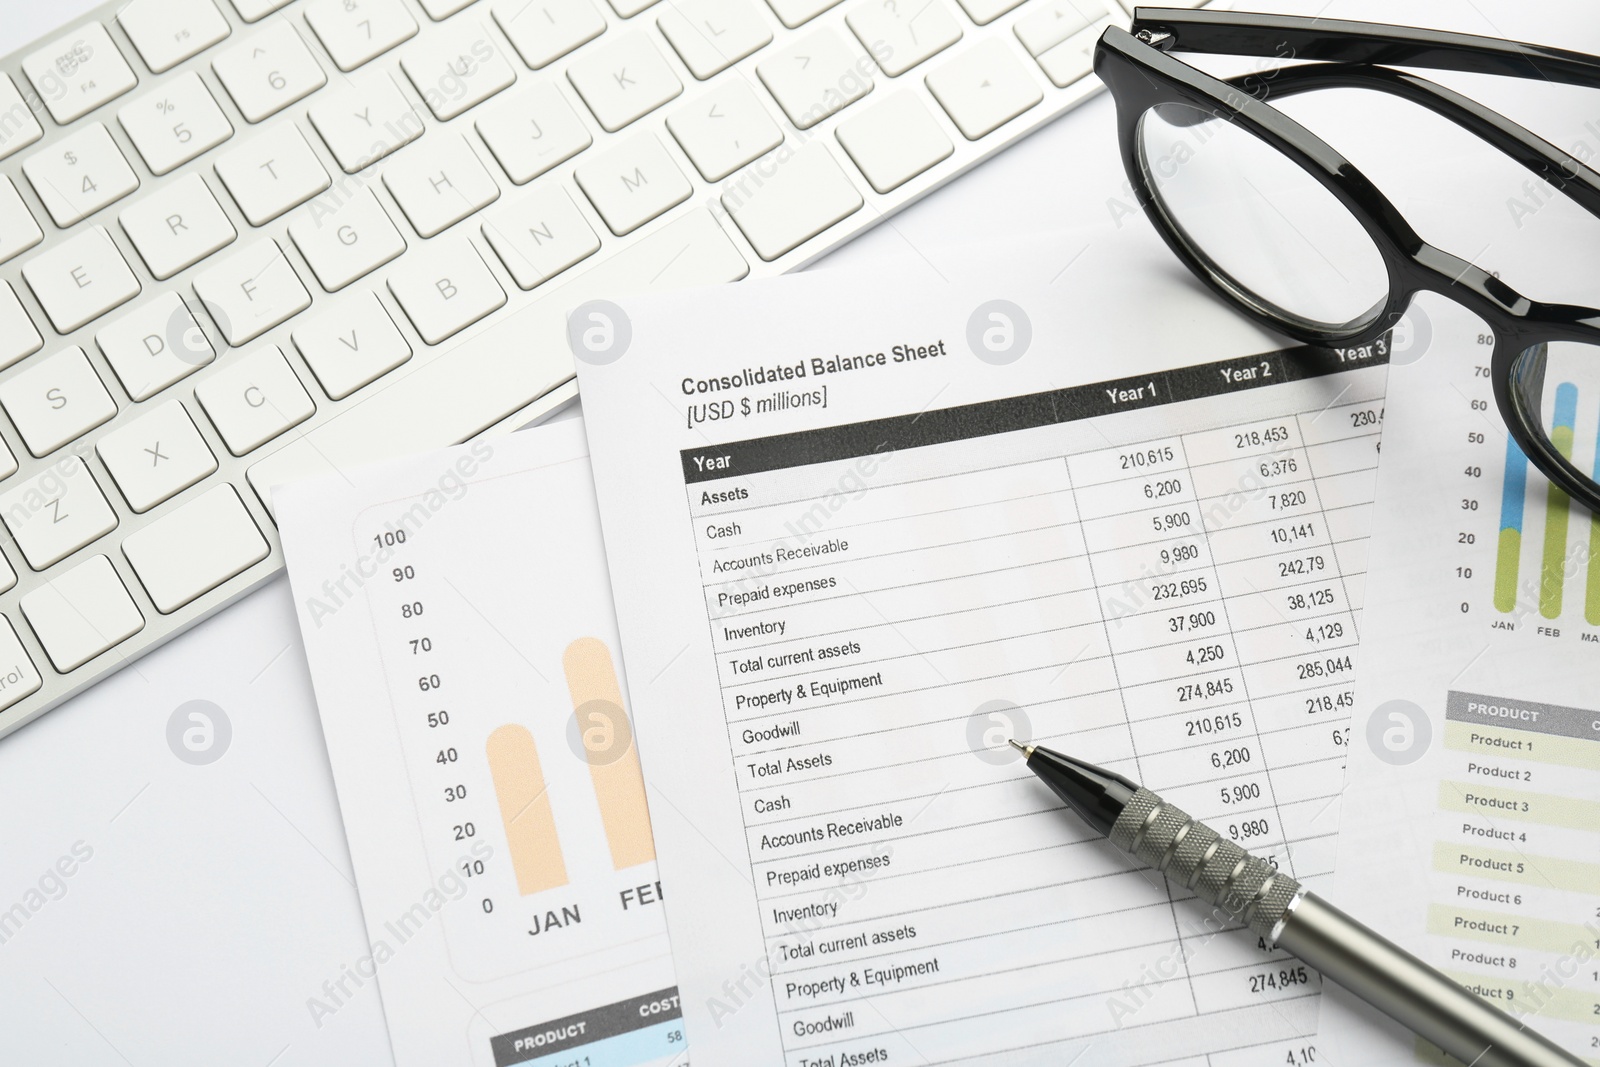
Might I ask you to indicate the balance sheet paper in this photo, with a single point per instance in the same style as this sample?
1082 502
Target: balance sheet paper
853 552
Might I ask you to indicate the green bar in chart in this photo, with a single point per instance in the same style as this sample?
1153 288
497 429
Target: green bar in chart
1558 507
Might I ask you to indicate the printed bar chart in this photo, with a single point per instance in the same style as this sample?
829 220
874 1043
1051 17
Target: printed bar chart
1559 563
530 824
608 746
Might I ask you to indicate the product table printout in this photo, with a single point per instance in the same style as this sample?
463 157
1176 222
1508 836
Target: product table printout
854 552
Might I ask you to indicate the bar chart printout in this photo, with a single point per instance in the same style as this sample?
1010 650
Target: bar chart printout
476 717
855 596
1471 829
1567 573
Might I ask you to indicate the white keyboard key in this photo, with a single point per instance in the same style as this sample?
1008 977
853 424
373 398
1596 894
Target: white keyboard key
901 35
167 32
255 10
156 456
815 76
357 31
984 88
794 13
8 577
1044 27
712 35
18 336
8 467
271 173
623 79
80 279
80 174
177 226
18 127
447 290
532 129
351 344
1072 59
539 234
724 129
78 72
56 512
984 12
157 343
894 140
543 31
56 399
194 548
175 123
632 182
443 9
251 291
81 612
469 386
18 229
626 9
268 71
254 398
798 200
439 189
365 119
457 66
351 240
18 676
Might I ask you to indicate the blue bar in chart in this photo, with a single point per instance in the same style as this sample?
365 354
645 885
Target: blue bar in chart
1512 500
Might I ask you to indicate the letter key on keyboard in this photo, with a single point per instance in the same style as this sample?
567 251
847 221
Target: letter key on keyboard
80 279
56 512
56 399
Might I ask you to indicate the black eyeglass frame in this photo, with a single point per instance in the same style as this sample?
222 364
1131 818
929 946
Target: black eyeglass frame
1141 74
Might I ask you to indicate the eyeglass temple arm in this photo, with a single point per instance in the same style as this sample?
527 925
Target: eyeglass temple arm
1286 37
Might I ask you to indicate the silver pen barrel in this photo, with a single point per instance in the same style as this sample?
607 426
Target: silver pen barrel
1275 906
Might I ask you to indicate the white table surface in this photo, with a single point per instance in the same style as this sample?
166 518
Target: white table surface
218 899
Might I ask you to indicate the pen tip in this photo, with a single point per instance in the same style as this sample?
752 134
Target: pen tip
1026 750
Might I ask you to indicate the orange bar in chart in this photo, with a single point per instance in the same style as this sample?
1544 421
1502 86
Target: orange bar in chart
525 810
608 744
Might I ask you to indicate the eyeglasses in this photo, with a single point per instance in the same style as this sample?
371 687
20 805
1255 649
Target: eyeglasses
1329 260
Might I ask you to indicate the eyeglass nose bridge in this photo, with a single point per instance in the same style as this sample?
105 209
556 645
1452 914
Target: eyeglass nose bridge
1451 276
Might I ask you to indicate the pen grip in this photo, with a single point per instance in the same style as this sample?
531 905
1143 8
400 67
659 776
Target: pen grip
1412 993
1192 854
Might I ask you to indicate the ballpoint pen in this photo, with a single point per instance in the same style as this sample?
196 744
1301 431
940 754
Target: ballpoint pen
1279 909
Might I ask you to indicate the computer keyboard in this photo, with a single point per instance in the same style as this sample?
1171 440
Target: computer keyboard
243 241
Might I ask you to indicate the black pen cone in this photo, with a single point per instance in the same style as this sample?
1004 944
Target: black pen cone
1096 794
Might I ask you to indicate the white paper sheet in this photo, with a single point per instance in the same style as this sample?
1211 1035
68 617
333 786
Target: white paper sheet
459 628
839 591
1472 816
